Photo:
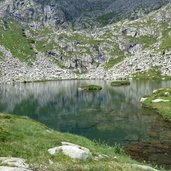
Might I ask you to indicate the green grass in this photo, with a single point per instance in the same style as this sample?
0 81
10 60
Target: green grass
1 55
146 40
164 108
90 87
106 18
152 74
25 138
117 56
166 40
14 39
44 46
120 83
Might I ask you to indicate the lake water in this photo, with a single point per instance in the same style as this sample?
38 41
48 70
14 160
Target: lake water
112 115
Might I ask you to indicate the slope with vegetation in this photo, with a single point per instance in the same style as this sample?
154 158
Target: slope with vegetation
22 137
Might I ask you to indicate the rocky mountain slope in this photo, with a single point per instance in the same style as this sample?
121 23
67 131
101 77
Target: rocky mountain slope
50 49
76 13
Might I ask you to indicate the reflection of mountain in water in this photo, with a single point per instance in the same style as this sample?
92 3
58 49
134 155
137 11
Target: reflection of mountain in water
112 115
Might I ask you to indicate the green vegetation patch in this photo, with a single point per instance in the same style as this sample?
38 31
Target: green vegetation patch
166 39
117 56
106 18
164 108
25 138
12 36
1 55
146 40
152 74
120 83
90 87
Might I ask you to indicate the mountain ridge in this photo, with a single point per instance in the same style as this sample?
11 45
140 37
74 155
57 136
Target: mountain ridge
116 51
80 14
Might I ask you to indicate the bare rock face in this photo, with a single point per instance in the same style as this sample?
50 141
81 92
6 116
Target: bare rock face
72 150
80 13
13 164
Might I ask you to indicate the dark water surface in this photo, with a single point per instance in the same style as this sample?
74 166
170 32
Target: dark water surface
113 115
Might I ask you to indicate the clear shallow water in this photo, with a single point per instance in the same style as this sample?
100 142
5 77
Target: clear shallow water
113 115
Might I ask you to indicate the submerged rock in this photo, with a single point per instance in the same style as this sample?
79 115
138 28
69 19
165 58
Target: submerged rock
72 150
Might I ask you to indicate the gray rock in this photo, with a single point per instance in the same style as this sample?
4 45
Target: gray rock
167 94
143 99
13 164
159 100
72 150
7 168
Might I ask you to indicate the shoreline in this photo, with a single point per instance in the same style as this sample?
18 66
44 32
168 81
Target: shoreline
159 101
29 139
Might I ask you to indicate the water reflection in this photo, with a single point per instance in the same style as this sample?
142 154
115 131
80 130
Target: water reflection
111 115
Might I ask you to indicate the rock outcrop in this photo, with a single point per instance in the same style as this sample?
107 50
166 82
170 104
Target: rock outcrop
74 12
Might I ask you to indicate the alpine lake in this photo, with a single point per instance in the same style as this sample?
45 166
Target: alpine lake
113 115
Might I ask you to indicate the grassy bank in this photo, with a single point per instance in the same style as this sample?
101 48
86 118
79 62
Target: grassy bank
164 108
23 137
152 74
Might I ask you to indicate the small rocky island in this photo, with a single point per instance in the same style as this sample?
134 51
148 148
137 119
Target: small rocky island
90 87
120 83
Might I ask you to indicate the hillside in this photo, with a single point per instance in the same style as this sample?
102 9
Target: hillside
44 51
77 13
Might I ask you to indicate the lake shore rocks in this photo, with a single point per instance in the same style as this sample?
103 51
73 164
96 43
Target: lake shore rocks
143 99
13 164
74 151
143 167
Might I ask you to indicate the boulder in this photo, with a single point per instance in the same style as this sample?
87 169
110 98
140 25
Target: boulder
72 150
